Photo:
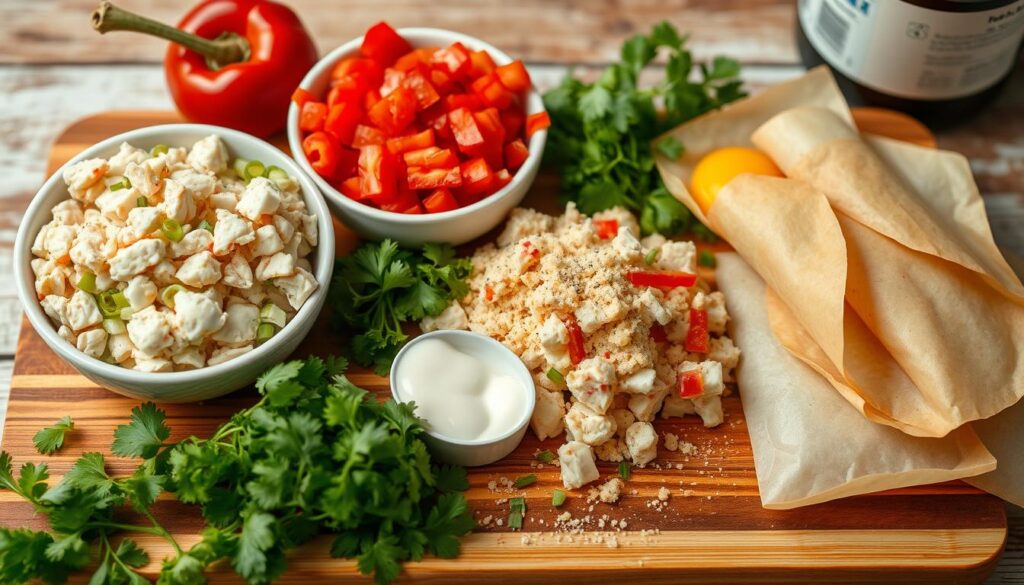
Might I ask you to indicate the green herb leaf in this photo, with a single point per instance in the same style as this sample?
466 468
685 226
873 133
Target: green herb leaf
51 438
557 498
670 147
144 435
706 258
524 481
625 470
545 456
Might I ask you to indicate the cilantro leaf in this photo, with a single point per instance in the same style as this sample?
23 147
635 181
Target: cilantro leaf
379 287
144 435
382 560
257 537
51 438
603 135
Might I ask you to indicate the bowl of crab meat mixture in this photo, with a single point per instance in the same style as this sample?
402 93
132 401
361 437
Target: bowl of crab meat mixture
176 272
614 330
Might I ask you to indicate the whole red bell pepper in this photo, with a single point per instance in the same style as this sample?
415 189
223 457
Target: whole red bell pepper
232 63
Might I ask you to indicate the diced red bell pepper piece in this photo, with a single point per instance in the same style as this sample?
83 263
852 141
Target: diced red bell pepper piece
501 178
577 343
516 154
348 163
439 201
453 59
394 112
414 57
414 210
697 337
340 94
392 81
691 384
512 119
662 279
383 44
480 64
323 154
492 92
431 158
311 116
514 76
301 96
489 123
342 120
606 228
425 178
350 188
658 333
477 180
537 122
366 135
376 174
463 100
416 82
370 99
417 141
442 81
357 73
466 131
401 202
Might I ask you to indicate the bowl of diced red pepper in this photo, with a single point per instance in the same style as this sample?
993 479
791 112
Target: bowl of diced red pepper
419 134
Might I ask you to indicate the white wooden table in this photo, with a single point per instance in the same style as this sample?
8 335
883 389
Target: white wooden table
54 69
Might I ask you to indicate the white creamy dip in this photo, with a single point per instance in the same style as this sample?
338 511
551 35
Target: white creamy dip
459 395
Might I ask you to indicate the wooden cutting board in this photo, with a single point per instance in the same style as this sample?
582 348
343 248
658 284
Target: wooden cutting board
712 529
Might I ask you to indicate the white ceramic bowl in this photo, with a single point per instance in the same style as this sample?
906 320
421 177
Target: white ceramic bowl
455 227
206 382
471 453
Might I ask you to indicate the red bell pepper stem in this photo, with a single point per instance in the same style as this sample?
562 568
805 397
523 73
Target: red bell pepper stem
228 48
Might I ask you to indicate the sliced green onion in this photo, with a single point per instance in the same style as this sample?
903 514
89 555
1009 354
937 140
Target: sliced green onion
651 256
556 376
706 258
625 470
515 520
545 456
279 176
111 302
254 169
239 167
159 149
271 313
142 201
517 505
114 326
124 183
264 332
524 481
87 282
557 498
167 294
172 230
205 225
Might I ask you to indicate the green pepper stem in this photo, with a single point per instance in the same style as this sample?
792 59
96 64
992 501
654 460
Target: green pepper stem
224 50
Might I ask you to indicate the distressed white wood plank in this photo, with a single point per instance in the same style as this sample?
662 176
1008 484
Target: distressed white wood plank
562 31
6 369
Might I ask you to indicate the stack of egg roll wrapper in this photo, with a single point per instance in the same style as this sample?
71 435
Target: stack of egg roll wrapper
882 277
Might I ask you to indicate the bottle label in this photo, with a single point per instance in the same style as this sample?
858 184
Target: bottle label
912 52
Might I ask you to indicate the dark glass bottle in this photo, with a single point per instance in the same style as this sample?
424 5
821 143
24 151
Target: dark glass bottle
940 61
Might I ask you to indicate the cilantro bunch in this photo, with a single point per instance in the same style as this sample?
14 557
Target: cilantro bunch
601 132
379 287
316 455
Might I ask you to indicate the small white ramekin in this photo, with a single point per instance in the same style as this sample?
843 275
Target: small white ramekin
472 453
454 227
192 385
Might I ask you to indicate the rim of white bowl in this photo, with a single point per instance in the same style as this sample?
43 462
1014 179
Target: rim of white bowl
512 360
41 323
323 67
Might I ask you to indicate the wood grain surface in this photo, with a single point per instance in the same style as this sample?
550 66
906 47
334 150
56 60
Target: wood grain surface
713 528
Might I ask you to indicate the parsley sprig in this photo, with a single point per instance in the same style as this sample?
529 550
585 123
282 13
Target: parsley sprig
315 455
380 286
601 132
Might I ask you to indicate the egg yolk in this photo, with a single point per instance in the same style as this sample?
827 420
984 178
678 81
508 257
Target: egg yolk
722 165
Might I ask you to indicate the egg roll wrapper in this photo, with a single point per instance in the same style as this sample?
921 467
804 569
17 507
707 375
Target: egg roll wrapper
810 445
937 335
